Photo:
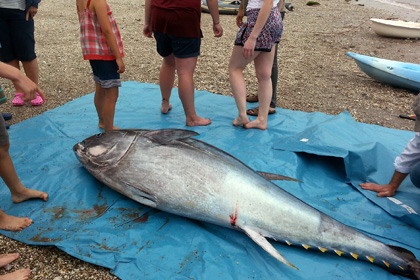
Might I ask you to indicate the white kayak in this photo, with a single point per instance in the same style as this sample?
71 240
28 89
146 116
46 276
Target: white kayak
399 74
396 28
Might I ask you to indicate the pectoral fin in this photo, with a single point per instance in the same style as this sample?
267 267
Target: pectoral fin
272 176
263 242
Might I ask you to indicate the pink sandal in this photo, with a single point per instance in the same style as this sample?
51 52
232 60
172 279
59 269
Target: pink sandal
37 101
17 100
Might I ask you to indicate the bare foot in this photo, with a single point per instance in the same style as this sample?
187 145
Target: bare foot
23 193
197 121
257 124
5 259
21 274
101 125
166 107
240 120
13 223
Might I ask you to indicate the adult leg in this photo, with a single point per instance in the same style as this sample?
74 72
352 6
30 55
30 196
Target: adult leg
108 109
263 63
274 78
185 68
237 64
166 81
415 175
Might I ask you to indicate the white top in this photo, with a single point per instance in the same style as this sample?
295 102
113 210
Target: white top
410 156
257 4
13 4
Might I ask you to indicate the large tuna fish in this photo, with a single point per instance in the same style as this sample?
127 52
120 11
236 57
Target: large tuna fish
168 170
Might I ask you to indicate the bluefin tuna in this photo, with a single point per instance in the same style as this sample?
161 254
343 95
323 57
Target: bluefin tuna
169 170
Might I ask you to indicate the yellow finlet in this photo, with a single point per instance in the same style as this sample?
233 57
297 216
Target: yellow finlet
338 252
402 268
323 250
288 242
370 259
306 246
354 255
386 263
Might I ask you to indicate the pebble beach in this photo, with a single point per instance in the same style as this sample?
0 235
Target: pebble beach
315 75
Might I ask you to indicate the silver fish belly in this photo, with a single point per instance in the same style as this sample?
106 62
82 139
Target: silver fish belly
168 170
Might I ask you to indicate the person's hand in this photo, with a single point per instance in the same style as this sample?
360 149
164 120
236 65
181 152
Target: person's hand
121 65
31 12
147 31
217 30
29 88
382 190
249 46
239 18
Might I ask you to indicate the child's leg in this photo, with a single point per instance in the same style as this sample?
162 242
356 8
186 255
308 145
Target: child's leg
99 100
13 223
31 70
263 65
5 259
8 174
166 81
237 82
185 68
20 274
108 110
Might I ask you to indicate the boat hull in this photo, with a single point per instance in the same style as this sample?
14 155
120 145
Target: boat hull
395 73
396 29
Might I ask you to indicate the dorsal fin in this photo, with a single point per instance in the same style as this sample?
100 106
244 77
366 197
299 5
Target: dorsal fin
263 242
165 136
272 176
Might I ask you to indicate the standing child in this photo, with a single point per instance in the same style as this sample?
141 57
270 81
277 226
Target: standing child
102 46
256 42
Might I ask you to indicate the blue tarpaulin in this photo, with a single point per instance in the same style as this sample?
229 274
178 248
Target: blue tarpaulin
331 155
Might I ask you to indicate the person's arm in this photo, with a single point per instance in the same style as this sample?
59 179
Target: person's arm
214 12
147 28
387 189
29 88
100 8
240 15
263 15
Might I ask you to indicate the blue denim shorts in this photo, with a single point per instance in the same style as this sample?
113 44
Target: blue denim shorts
17 41
181 47
105 73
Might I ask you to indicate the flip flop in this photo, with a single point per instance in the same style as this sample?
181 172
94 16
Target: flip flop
254 111
17 100
252 98
6 116
37 101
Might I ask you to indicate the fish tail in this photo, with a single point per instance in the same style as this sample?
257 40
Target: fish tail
415 268
412 269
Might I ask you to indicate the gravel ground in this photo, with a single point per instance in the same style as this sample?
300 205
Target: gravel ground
316 76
